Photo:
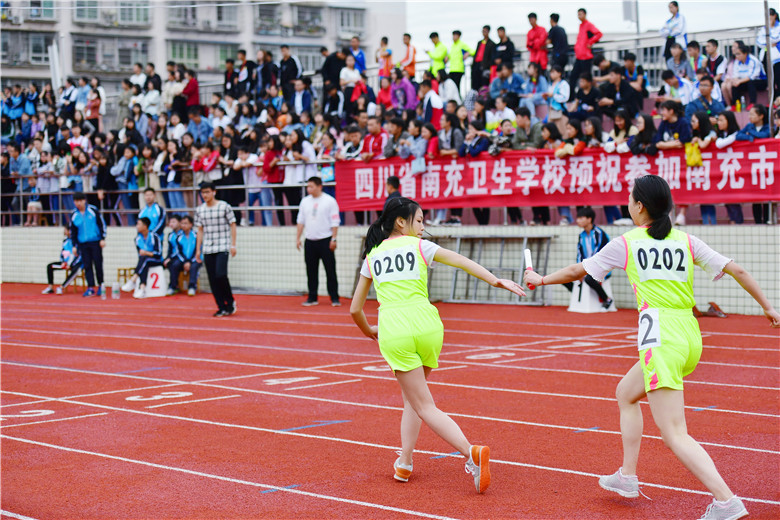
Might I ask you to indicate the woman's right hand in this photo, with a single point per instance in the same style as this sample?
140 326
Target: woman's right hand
374 333
773 316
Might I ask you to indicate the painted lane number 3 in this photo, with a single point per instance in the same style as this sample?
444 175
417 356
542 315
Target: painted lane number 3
649 329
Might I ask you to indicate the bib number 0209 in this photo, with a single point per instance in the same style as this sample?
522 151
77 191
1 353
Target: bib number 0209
395 265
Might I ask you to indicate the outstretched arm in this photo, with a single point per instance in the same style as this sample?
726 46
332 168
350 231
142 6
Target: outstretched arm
565 275
356 308
454 259
750 285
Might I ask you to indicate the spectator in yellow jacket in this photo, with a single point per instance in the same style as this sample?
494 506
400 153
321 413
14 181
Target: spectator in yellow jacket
438 55
458 51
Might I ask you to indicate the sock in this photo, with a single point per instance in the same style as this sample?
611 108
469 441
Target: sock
725 502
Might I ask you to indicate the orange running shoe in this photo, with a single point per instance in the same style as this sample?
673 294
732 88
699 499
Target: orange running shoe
402 471
479 466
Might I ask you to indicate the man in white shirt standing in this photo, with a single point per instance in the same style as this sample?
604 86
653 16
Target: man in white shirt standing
318 221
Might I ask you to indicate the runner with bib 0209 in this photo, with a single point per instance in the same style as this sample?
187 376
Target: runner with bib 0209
659 263
410 332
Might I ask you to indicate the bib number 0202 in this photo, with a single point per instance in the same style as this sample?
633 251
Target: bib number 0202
661 260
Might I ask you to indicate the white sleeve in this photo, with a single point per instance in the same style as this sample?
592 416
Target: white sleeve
708 259
335 218
613 256
428 250
364 270
723 142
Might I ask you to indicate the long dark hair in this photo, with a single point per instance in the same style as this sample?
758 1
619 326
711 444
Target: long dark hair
646 136
654 193
383 226
705 127
731 124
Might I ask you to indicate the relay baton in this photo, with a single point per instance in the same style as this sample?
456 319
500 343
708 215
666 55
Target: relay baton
529 266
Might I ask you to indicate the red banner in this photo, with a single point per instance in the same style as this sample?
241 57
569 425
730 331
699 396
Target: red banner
744 172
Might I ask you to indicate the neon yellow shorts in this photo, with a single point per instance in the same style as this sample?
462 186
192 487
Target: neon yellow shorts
410 335
678 353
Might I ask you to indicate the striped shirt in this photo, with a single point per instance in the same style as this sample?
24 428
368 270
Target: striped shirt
216 221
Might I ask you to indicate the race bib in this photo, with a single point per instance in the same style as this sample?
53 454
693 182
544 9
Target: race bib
661 260
395 265
649 334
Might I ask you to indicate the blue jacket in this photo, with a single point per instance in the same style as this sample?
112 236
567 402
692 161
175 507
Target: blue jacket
588 244
305 102
151 243
700 105
513 84
749 133
200 132
173 248
87 227
156 214
186 246
475 148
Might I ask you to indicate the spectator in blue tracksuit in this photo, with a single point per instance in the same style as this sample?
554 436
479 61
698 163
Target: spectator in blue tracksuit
126 180
88 234
149 248
591 241
757 128
154 212
185 256
199 127
67 261
173 248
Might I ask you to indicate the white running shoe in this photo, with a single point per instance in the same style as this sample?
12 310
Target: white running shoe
129 286
679 220
191 292
59 290
731 509
48 290
622 485
140 293
402 471
479 466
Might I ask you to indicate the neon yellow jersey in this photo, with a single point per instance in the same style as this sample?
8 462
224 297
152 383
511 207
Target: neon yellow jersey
399 270
660 271
457 50
437 56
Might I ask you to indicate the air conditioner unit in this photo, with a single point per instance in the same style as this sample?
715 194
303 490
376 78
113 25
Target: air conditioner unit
17 19
109 18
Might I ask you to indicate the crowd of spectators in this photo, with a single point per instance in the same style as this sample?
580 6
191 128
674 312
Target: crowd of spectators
270 129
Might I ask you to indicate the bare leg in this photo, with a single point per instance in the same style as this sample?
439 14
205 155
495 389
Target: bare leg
415 389
668 410
629 391
410 430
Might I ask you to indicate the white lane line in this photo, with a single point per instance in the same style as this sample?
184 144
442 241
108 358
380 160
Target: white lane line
15 515
324 384
3 427
455 385
294 491
382 446
386 407
265 311
613 347
194 401
450 368
523 359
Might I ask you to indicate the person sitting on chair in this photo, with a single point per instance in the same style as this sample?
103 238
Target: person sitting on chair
591 241
185 256
67 261
149 249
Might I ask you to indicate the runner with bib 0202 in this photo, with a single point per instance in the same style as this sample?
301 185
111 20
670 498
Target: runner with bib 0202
659 263
410 332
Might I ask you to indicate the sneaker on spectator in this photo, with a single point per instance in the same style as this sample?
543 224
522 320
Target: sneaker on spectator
244 223
89 293
233 310
625 486
607 303
220 314
479 466
335 304
679 220
140 293
731 509
170 292
434 222
309 303
452 222
59 290
191 292
129 286
48 290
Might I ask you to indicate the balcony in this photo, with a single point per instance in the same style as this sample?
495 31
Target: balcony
310 30
268 28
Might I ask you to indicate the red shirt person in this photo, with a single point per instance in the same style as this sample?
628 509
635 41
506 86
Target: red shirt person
536 42
375 140
588 36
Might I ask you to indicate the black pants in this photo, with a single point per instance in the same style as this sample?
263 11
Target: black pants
482 215
541 214
175 267
313 252
515 215
293 196
57 266
749 89
561 59
142 267
92 254
217 270
735 213
761 213
456 77
579 67
477 79
593 284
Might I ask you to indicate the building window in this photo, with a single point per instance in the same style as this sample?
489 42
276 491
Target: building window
267 20
5 46
108 54
308 21
86 11
227 16
39 48
225 52
42 9
185 53
84 54
21 48
351 21
311 59
182 14
134 12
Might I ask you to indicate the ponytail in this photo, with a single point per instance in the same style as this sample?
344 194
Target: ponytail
656 196
380 230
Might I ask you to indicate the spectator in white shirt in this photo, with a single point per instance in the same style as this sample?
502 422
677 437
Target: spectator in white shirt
675 29
748 76
175 128
680 89
448 90
318 220
138 77
151 101
498 114
253 179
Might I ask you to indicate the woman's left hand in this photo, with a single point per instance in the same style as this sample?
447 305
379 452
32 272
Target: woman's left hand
509 285
532 278
374 333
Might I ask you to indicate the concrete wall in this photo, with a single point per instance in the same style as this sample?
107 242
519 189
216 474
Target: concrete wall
268 261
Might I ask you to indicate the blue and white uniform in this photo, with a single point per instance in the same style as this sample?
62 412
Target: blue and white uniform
150 243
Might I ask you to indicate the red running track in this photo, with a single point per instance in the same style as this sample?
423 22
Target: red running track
152 409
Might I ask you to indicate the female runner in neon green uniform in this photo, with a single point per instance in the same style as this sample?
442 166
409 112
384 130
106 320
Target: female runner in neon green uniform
410 332
659 263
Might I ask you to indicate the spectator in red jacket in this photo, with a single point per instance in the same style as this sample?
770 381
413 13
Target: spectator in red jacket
191 89
375 140
583 49
536 41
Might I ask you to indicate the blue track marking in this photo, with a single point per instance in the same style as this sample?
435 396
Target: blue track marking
285 487
142 370
317 423
447 455
588 429
705 408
